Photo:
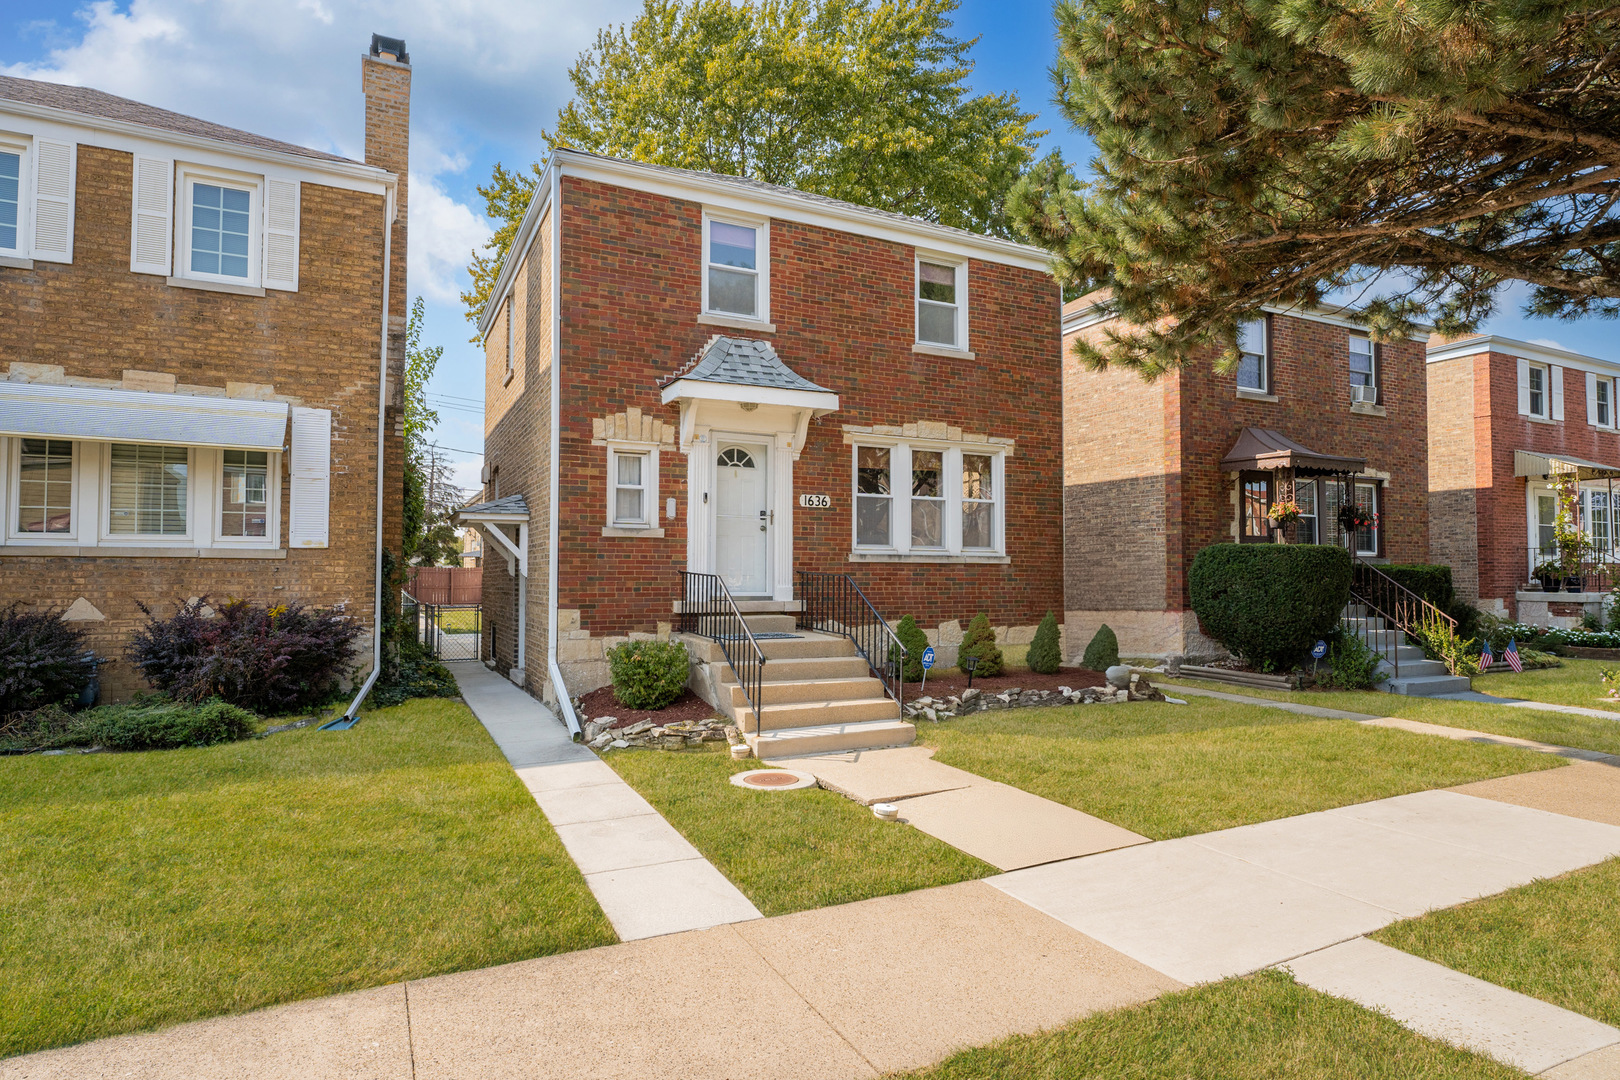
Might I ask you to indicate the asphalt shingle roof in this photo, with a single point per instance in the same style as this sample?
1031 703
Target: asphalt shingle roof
506 504
82 99
744 362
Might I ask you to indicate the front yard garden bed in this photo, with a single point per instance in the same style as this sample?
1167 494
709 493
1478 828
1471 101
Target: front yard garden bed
604 709
972 701
942 684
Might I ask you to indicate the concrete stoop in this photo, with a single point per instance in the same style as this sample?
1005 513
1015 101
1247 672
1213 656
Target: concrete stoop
817 695
1419 677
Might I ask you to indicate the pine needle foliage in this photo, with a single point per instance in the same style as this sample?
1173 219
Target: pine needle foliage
980 641
1045 652
1102 652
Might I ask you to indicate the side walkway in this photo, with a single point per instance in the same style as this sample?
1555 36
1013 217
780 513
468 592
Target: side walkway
647 877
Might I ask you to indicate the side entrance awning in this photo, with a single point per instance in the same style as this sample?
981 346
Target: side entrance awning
34 410
1529 463
1263 448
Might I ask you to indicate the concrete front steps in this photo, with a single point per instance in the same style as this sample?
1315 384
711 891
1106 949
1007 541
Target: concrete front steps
1419 677
817 695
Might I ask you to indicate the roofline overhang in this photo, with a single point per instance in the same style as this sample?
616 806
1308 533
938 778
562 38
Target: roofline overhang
1332 315
818 402
1527 350
475 518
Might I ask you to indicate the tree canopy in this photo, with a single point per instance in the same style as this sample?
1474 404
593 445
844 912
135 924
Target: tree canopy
861 100
1416 155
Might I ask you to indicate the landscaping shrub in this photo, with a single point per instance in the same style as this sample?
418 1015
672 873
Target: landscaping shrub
648 674
42 659
1102 652
980 641
148 724
1440 641
1269 603
915 641
1351 665
44 728
268 659
1430 581
1045 652
409 672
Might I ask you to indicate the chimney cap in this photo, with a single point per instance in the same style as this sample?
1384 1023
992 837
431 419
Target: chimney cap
396 46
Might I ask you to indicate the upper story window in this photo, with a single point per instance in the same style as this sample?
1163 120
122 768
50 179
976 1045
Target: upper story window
208 227
1363 371
1253 372
735 261
1538 390
940 290
1599 400
220 238
10 201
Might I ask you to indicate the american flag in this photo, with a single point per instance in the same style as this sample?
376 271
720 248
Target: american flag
1485 657
1511 655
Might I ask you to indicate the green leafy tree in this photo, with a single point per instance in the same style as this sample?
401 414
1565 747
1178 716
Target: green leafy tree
862 100
980 641
1261 152
1102 652
430 539
1045 652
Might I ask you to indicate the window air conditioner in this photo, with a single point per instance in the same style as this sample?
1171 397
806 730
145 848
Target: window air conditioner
1364 395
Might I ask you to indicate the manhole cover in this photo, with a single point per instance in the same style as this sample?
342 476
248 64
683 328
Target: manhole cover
774 780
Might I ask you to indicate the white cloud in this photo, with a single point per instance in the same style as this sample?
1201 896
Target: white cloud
443 234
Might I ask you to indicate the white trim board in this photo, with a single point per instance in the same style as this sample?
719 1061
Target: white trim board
1331 315
1524 350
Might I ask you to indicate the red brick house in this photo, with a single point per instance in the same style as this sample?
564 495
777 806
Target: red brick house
1505 418
201 350
698 373
1154 472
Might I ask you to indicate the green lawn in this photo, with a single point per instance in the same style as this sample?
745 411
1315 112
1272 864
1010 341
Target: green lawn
1167 770
788 850
1576 683
1556 939
1263 1027
1561 729
139 890
460 621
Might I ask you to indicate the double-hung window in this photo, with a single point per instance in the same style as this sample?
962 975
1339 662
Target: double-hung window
148 490
951 506
874 497
1538 390
1599 400
1367 538
1256 507
735 275
941 292
11 201
244 499
44 487
927 499
978 502
1305 532
630 495
1253 372
1598 521
1363 371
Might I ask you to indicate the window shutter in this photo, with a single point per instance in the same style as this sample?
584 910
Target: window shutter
154 206
1591 398
53 200
310 478
1555 375
1524 387
281 235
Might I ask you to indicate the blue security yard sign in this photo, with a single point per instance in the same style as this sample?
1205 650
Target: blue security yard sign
927 662
1319 650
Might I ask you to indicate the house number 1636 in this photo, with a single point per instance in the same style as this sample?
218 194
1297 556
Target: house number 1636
815 502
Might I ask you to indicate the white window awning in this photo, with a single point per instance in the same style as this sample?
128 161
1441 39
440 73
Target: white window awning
50 411
1529 463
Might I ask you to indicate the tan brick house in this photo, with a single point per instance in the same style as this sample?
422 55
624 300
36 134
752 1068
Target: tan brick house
1505 418
756 385
1154 472
201 348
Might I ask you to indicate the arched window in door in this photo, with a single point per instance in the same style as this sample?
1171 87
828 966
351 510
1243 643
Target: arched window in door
736 457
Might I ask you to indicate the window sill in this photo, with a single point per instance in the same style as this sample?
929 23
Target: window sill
925 349
16 263
1541 420
736 322
1363 409
214 286
1255 395
609 530
70 551
932 557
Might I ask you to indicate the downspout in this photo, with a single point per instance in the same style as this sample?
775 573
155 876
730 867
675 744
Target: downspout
382 433
560 688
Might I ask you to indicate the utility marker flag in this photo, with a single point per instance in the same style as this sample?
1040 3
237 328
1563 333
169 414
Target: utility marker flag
1511 655
1485 657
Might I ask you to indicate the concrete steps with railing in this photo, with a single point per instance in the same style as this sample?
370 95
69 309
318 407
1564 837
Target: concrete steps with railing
1419 677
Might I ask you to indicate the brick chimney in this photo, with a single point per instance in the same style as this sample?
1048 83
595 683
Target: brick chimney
385 78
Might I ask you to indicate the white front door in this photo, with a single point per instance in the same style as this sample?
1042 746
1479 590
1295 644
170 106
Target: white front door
742 517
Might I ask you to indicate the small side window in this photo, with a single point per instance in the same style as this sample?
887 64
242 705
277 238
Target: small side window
630 476
1253 373
11 203
1363 371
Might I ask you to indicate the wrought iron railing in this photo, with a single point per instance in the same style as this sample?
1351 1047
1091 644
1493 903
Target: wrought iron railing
708 610
1377 597
1599 571
834 604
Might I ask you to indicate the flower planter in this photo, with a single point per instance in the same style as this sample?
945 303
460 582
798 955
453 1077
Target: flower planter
1573 584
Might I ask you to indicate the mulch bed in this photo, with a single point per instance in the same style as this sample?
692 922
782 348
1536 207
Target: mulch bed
952 681
602 703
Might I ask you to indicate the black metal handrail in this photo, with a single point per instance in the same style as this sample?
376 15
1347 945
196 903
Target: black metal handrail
708 610
1398 609
834 604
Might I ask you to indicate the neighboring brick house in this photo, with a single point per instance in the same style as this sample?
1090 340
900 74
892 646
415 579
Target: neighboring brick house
757 382
1155 471
1505 416
197 326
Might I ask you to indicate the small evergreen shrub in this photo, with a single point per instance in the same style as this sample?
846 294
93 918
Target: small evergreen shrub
44 728
912 637
411 673
648 674
980 641
1103 651
42 659
267 659
1269 603
1351 665
1045 652
148 724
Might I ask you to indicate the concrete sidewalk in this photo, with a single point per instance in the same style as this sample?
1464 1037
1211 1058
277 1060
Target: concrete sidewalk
648 878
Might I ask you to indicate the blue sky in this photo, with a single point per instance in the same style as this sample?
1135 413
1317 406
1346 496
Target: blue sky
488 77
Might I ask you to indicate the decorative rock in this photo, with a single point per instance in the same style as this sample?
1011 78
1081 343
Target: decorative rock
969 694
1118 676
637 729
931 713
602 739
618 744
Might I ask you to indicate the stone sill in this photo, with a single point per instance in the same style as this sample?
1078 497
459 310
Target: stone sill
1255 395
1526 595
1541 420
16 263
737 322
1363 409
75 551
215 286
954 560
943 350
608 530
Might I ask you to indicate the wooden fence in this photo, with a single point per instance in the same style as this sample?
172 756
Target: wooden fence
446 584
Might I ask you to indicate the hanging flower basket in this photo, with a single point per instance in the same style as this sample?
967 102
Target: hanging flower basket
1354 517
1283 513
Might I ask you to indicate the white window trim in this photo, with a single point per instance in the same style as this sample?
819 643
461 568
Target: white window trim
23 148
960 265
1378 513
649 485
1264 389
1594 381
900 499
11 492
762 265
211 477
195 174
1546 390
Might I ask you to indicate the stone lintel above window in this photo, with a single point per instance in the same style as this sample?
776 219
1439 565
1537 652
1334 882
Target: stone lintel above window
929 431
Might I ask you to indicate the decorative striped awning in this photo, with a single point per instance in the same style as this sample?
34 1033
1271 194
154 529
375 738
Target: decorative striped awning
35 410
1530 463
1262 448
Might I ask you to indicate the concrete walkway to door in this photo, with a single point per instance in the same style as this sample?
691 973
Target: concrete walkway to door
647 877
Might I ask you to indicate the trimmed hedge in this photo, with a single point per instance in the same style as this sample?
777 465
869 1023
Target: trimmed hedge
1269 603
1429 581
1045 654
1103 651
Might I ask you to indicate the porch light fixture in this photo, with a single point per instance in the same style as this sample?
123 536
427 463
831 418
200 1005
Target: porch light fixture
748 406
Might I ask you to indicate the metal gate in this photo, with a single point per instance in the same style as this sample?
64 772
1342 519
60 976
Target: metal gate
446 631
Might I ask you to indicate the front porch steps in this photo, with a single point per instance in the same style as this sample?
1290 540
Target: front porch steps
817 694
1419 677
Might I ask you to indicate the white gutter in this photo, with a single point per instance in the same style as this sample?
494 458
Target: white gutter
382 434
558 686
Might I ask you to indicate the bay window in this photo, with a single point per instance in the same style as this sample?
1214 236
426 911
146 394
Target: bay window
952 505
1306 531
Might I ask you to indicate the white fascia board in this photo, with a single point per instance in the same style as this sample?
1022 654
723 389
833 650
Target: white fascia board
27 119
1090 316
703 390
791 206
1544 354
528 229
1332 316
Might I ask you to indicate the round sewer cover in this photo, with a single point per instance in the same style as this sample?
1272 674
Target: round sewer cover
774 780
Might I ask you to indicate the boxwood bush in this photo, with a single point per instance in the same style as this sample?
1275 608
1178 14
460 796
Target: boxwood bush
648 674
1269 603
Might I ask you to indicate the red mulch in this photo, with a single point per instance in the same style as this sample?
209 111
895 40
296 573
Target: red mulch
952 681
602 703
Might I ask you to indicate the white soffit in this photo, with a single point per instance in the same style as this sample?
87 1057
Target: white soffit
134 416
